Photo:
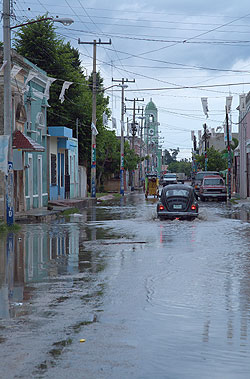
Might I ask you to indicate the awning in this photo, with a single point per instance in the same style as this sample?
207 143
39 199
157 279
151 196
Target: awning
25 143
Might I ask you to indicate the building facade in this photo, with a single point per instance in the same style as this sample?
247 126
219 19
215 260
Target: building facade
63 163
217 140
29 134
242 153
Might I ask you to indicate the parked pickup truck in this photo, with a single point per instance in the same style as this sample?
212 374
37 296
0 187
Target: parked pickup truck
213 187
198 179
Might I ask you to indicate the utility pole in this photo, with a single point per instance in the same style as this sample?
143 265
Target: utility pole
229 156
205 139
9 178
195 152
94 131
123 85
142 117
147 127
134 129
195 144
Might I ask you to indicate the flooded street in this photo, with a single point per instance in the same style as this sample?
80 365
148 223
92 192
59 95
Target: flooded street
147 298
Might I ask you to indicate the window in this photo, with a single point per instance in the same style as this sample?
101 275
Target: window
213 182
177 192
53 169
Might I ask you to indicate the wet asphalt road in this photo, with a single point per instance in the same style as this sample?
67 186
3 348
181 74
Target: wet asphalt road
151 299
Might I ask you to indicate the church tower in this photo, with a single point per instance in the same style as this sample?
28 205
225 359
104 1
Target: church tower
151 137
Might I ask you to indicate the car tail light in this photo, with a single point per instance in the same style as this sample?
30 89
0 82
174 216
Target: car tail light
161 208
193 207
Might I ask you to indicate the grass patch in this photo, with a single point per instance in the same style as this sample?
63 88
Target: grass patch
100 194
70 211
233 201
4 228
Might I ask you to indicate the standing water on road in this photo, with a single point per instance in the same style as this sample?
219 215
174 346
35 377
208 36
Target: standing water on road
150 298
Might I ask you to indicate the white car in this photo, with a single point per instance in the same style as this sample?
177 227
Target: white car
169 178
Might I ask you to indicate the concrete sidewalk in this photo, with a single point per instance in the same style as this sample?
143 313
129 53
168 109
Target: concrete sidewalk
241 203
54 208
58 206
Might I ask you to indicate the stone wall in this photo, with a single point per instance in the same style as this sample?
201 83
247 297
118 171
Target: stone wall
112 185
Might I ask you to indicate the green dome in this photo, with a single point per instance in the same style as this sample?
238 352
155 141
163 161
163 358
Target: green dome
151 105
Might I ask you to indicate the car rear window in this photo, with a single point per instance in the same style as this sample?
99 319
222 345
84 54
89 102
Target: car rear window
177 192
170 176
200 175
213 182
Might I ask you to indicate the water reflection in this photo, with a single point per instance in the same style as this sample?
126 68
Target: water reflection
31 257
42 252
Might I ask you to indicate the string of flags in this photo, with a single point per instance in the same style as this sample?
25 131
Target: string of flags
65 86
204 105
94 129
35 74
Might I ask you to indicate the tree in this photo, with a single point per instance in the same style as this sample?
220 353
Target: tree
233 144
170 155
107 155
184 165
215 160
131 159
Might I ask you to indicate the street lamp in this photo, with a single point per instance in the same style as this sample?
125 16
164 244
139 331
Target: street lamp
9 178
65 21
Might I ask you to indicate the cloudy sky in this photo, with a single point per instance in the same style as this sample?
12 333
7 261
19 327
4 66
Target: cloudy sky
164 45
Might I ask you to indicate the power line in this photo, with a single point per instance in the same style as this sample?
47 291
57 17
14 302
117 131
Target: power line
196 36
207 15
182 64
147 38
152 21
